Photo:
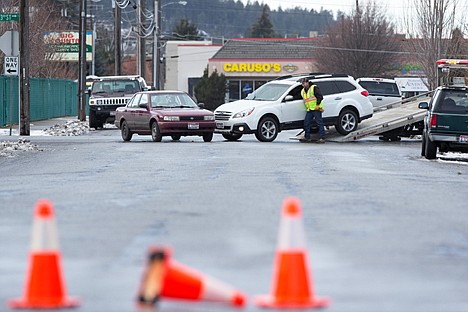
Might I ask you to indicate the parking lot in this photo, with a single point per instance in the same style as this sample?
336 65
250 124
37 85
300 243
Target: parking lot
385 228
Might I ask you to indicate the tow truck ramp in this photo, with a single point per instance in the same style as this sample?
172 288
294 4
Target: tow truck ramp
402 118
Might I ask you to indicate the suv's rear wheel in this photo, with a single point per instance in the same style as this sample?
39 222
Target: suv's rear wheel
155 133
347 122
232 137
430 150
125 131
423 147
267 129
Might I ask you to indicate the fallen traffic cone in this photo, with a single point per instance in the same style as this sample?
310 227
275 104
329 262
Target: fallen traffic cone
166 278
44 283
292 283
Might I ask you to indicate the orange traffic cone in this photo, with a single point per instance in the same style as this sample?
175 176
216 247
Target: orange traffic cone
44 283
292 287
166 278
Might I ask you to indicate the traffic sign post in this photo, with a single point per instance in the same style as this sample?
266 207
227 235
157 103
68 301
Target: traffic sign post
9 43
11 66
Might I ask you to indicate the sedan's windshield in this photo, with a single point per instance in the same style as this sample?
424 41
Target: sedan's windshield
268 92
172 100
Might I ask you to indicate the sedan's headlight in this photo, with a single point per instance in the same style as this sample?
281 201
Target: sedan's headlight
244 113
171 118
209 117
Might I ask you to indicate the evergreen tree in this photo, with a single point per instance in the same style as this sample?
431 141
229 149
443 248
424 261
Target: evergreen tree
185 31
211 89
263 28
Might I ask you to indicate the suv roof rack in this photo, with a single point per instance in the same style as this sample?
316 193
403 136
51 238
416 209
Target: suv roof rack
311 76
118 77
320 75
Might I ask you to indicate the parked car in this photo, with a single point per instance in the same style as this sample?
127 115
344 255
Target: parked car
381 91
278 105
109 92
446 123
164 113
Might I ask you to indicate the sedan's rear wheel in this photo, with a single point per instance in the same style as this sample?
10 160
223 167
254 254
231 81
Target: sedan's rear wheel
155 133
347 122
125 131
175 137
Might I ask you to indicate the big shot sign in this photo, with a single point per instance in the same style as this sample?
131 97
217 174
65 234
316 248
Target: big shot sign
65 45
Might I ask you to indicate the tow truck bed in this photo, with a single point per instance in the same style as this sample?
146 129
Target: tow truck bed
386 119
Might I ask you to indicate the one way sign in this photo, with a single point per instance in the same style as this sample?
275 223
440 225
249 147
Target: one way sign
11 65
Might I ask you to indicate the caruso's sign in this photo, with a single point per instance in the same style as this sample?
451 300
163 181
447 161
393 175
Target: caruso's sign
252 67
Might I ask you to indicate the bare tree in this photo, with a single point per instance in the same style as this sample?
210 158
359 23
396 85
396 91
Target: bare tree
362 44
45 16
431 26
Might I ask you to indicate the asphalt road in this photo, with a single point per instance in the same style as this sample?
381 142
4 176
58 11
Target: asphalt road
386 229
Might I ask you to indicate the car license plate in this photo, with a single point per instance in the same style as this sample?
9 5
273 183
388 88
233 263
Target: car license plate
463 139
193 126
219 125
112 113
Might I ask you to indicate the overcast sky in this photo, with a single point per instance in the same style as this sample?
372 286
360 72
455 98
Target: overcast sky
335 5
396 9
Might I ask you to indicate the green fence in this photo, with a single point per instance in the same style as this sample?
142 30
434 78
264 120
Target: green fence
49 98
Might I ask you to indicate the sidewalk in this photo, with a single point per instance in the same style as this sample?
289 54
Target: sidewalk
37 127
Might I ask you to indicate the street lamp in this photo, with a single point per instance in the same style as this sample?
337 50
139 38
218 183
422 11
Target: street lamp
157 9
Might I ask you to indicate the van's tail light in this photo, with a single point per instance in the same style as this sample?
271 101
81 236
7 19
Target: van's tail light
433 123
365 92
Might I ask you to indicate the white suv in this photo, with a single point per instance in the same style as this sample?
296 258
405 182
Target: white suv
381 91
278 105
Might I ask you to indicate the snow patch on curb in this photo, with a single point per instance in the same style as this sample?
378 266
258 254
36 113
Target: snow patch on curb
70 128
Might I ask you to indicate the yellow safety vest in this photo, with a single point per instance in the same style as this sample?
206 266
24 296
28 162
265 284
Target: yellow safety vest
310 101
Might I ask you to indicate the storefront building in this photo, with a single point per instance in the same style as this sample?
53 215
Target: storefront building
249 63
185 62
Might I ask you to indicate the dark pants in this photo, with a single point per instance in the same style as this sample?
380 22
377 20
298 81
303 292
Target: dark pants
311 115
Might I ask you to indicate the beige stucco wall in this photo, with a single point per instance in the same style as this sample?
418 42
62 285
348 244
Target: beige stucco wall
186 59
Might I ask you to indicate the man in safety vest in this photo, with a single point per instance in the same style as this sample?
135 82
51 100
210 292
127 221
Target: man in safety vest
313 103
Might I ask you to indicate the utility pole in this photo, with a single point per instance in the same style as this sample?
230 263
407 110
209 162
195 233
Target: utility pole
117 40
155 44
82 63
158 50
141 35
24 68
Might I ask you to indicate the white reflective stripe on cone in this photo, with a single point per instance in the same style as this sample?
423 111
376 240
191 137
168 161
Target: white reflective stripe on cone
215 290
291 233
44 235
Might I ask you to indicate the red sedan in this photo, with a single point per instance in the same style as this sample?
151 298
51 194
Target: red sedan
164 113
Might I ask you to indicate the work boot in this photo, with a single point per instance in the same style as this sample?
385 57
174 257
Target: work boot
320 141
305 140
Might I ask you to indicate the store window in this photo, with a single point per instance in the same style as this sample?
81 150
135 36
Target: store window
234 93
247 87
239 89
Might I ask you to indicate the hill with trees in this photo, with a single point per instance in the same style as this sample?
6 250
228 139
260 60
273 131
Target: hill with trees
221 18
